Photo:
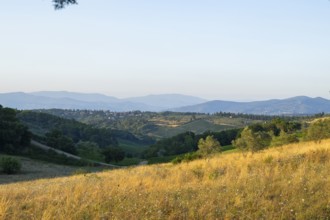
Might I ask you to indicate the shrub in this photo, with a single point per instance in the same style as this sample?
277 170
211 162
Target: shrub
284 138
186 157
177 160
319 130
10 165
80 171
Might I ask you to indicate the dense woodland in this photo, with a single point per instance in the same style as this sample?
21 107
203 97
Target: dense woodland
77 138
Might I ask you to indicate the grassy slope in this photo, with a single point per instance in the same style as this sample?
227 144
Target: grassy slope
290 182
36 169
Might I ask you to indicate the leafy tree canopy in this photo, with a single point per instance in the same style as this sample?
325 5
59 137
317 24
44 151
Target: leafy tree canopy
59 4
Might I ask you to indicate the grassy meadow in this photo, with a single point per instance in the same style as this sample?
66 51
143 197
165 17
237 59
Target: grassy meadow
289 182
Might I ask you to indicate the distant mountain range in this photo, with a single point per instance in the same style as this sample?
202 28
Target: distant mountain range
167 102
94 101
300 105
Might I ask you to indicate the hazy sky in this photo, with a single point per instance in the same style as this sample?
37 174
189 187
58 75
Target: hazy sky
215 49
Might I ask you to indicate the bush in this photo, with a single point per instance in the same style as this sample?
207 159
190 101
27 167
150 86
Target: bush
318 130
187 157
283 139
10 165
80 171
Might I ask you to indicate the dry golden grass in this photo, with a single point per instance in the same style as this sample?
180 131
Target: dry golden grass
290 182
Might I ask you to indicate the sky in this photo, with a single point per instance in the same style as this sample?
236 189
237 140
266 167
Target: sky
240 50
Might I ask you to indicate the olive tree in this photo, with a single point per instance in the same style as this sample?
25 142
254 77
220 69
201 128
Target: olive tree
252 141
208 145
318 130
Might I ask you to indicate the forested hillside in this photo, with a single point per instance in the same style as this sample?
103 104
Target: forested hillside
102 144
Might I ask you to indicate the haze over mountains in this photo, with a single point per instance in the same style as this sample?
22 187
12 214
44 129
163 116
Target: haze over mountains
166 102
299 105
94 101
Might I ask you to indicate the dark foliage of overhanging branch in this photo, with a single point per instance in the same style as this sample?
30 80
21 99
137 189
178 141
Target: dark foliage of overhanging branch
59 4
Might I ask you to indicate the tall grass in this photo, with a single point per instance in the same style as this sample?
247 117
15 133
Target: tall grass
289 182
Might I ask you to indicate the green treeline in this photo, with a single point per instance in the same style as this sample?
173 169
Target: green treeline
267 117
274 133
280 132
187 142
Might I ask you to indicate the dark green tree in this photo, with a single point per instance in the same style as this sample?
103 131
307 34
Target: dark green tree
57 140
113 154
59 4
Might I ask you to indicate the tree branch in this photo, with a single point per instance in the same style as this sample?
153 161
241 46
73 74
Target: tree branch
60 4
